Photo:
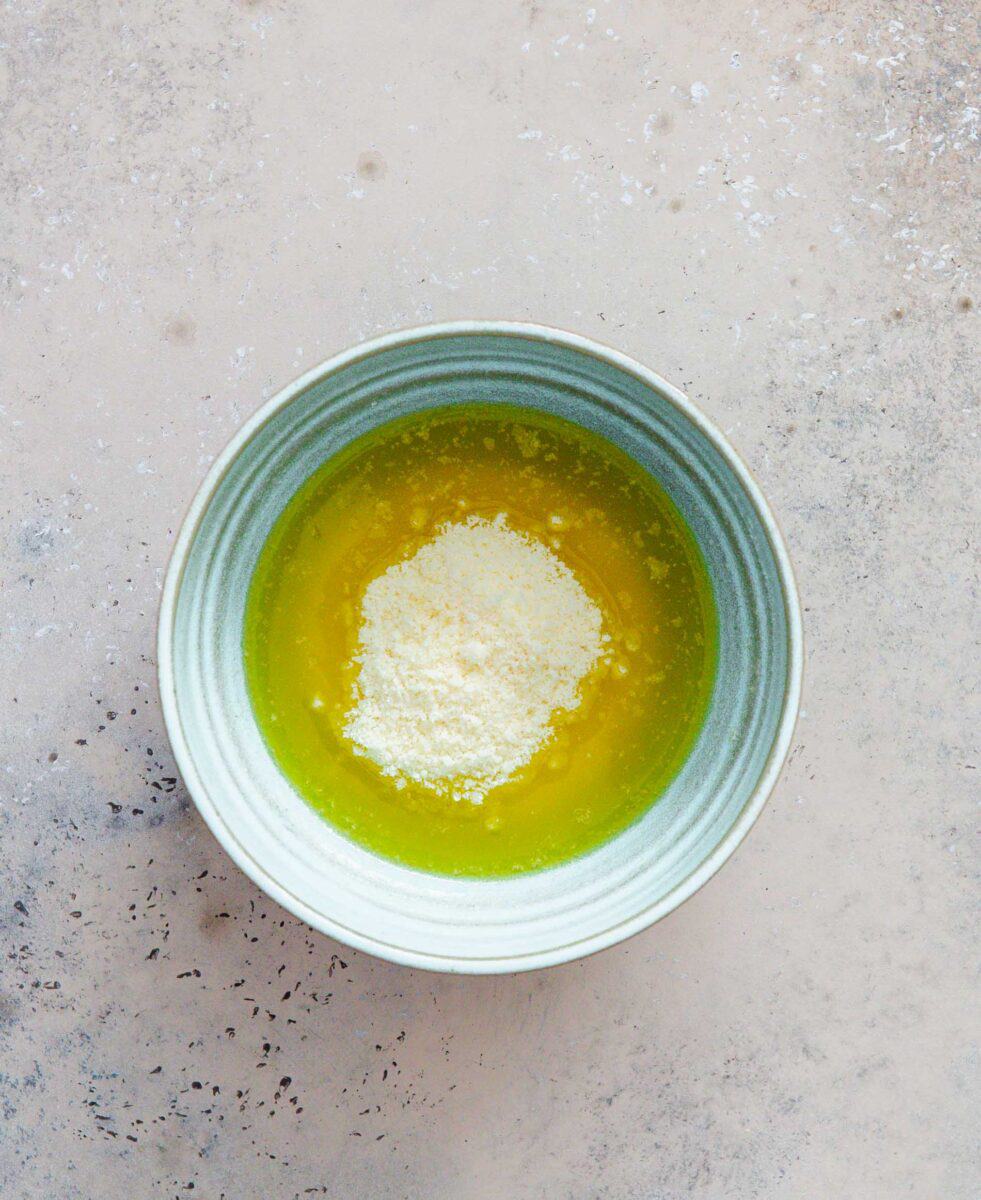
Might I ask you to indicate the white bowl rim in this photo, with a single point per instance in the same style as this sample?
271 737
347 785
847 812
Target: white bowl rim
294 904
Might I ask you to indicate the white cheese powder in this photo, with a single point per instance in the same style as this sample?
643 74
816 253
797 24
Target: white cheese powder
467 651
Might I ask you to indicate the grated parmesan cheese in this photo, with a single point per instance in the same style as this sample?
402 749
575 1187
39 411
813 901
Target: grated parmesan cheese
467 651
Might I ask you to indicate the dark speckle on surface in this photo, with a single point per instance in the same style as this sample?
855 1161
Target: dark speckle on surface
180 331
371 165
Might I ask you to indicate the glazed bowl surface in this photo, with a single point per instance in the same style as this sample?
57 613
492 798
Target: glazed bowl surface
478 925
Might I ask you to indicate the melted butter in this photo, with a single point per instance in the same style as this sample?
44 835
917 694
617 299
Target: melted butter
614 526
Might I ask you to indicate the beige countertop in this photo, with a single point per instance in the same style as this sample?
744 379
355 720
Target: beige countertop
770 205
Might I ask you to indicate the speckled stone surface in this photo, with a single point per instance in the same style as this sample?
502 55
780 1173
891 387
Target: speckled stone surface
770 205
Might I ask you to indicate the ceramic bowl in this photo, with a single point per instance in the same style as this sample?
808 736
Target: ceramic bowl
408 916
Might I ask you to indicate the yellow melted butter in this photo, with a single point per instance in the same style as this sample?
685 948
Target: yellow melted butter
375 504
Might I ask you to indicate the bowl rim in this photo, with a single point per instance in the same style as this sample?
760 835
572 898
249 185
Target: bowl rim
294 904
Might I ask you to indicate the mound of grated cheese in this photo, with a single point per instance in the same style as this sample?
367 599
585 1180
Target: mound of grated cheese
467 651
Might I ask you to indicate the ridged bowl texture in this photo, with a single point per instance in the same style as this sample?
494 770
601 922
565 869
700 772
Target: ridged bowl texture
528 921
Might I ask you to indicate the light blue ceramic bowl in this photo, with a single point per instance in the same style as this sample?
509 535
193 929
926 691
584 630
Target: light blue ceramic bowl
409 916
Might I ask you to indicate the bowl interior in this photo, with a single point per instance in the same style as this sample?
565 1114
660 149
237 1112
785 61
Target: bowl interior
391 910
